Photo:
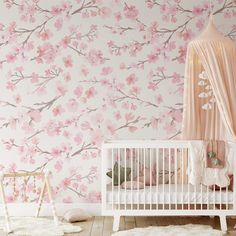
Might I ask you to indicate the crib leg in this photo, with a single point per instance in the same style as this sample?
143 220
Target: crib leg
223 223
116 223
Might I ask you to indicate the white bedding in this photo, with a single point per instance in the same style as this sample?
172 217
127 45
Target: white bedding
156 195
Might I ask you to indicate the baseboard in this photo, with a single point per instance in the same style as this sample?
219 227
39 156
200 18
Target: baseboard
29 209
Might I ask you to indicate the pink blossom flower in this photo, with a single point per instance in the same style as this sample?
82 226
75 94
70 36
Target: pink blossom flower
27 127
159 99
131 12
10 199
176 78
200 24
17 98
169 128
65 42
197 11
46 35
117 115
187 34
68 61
78 91
152 58
55 10
72 105
58 166
10 58
58 24
95 57
132 128
58 110
66 134
96 137
67 199
34 78
60 89
46 52
35 115
129 117
118 16
53 128
152 86
10 86
91 92
110 127
94 197
65 183
105 12
176 115
78 138
135 90
67 77
131 79
106 70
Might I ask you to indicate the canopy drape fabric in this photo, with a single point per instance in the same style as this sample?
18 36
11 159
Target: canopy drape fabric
210 88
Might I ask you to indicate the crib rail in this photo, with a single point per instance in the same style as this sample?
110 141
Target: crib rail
151 178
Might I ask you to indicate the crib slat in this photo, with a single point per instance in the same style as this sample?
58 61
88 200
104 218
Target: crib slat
131 166
182 165
227 197
125 159
208 200
151 169
220 199
163 178
138 178
144 164
112 179
214 189
119 200
157 177
169 178
201 198
176 175
188 186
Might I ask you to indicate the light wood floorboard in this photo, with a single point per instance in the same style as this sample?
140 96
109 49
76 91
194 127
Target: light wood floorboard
102 226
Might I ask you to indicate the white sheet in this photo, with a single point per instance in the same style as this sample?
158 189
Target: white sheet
156 195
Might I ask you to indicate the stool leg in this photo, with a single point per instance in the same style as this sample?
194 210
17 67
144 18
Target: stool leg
8 226
51 200
40 199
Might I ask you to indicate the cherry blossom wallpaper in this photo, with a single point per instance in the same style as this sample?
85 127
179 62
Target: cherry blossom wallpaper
76 72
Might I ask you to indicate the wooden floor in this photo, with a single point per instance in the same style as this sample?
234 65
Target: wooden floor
102 226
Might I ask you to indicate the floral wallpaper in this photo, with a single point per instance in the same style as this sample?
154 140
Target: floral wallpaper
76 72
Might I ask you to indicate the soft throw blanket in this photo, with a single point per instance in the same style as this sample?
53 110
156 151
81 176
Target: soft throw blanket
215 153
199 172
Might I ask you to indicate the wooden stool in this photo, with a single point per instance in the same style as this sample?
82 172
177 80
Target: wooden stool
46 184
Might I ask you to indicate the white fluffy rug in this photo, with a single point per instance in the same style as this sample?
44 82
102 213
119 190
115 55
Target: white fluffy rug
172 230
31 226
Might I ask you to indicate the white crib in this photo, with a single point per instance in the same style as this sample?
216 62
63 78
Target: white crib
171 194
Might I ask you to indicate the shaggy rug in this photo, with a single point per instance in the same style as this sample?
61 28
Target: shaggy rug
172 230
32 226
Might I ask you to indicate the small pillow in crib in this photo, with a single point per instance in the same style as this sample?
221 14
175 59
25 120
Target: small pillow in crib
76 215
120 174
132 185
147 179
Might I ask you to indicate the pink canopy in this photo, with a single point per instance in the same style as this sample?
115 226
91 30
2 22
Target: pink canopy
210 87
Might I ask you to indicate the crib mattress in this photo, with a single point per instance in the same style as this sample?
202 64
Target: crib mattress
180 194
